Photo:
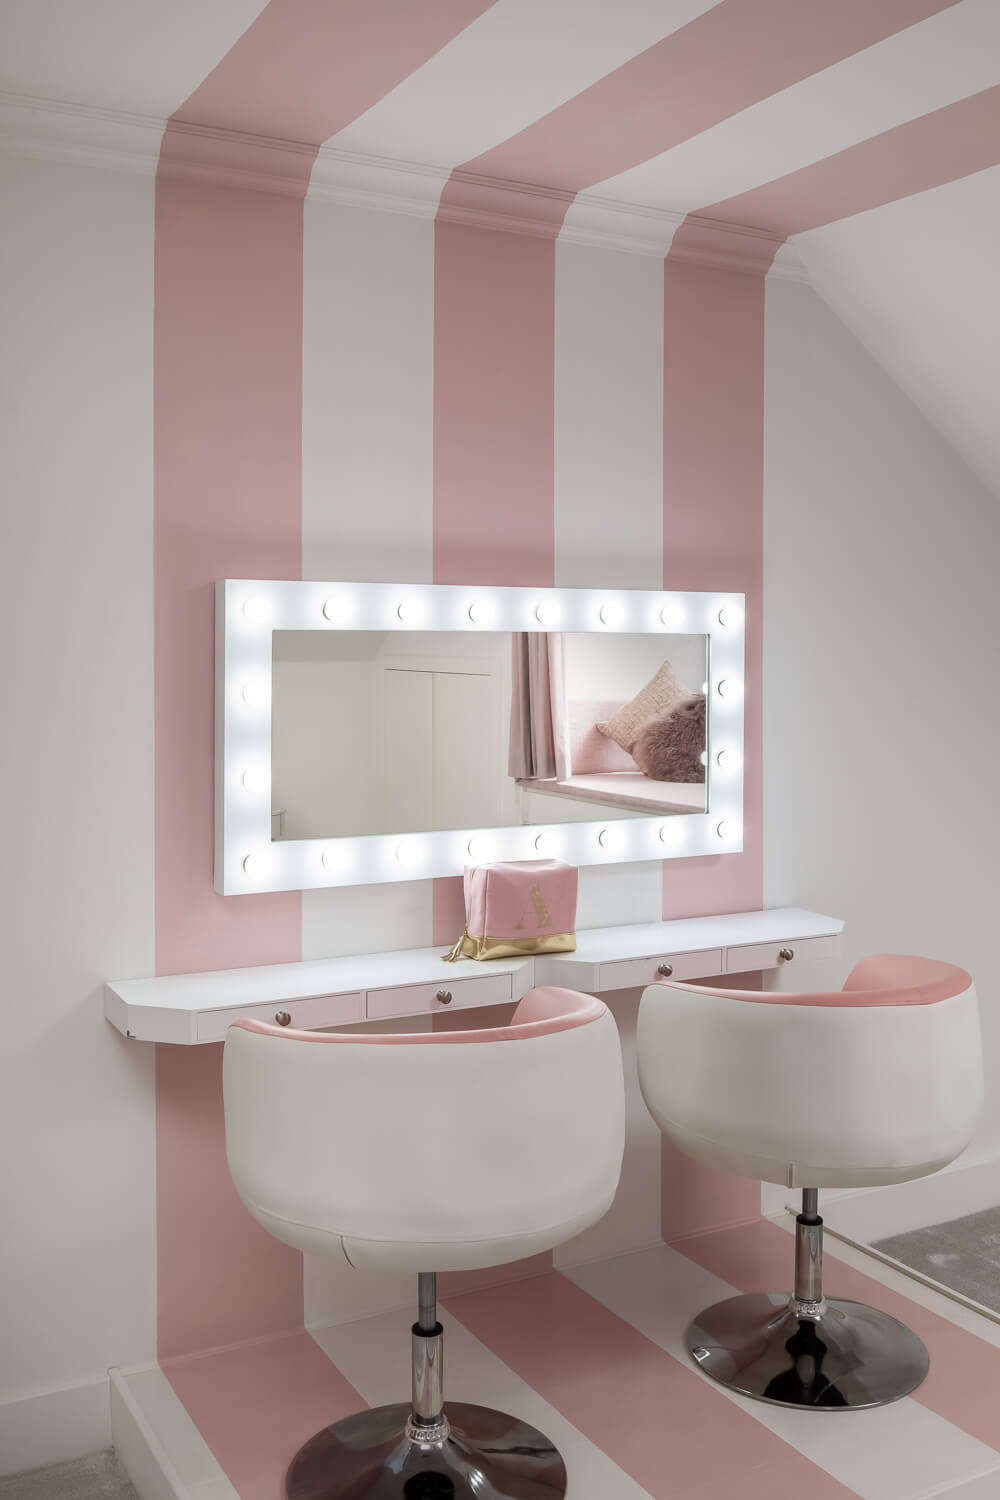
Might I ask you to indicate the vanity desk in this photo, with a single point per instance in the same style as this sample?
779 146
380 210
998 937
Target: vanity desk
197 1008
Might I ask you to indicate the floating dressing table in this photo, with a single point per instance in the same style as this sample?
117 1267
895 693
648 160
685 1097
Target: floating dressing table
196 1008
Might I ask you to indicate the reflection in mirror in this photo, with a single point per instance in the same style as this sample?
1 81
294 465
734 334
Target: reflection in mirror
380 732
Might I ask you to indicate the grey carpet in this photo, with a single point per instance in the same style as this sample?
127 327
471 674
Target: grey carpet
100 1477
963 1254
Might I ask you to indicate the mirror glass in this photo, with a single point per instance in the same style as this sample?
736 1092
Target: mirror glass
384 732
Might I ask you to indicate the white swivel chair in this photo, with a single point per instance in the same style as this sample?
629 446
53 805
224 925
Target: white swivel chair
440 1151
878 1083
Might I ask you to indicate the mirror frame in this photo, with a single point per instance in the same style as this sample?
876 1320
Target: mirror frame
248 611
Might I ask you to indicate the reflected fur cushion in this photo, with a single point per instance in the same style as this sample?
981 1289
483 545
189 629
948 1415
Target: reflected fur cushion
669 747
660 693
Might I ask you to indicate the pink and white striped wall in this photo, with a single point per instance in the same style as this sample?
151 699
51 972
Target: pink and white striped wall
339 391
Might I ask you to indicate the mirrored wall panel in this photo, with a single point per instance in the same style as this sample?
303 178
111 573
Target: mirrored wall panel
391 732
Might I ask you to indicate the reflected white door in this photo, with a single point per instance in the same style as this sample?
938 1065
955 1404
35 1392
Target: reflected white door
443 750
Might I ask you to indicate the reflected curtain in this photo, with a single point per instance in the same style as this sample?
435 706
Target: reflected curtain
539 720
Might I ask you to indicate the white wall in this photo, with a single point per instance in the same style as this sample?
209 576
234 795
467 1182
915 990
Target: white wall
76 1099
882 715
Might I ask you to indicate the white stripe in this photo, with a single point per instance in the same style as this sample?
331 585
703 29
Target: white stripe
514 64
898 1452
374 1357
945 58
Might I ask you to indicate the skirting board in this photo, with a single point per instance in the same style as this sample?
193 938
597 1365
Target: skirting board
163 1453
52 1427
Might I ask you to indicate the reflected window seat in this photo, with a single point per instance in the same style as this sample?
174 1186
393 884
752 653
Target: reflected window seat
626 789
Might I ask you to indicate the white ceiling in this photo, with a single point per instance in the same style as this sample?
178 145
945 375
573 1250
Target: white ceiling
915 280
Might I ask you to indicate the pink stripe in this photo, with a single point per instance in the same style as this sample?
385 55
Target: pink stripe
255 1406
724 61
306 68
925 153
654 1417
228 438
713 458
494 349
965 1370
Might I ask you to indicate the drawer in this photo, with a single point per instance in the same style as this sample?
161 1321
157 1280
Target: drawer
769 955
419 999
318 1010
626 973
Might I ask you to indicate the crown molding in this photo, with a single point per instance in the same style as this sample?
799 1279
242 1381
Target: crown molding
48 129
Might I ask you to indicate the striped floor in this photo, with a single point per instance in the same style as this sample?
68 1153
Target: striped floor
594 1357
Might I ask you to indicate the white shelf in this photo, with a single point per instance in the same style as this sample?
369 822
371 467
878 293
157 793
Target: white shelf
197 1008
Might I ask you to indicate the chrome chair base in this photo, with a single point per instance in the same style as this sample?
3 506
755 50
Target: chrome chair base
476 1454
824 1354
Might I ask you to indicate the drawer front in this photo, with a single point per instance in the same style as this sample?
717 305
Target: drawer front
774 955
318 1010
419 999
627 973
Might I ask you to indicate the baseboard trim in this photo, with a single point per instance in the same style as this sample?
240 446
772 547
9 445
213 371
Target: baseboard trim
55 1426
163 1453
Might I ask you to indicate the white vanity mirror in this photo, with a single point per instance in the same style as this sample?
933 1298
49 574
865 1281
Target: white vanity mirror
374 732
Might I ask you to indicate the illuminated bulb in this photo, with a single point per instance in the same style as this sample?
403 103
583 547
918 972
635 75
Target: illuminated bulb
255 779
730 687
478 848
703 757
729 760
410 611
407 855
672 616
254 693
612 614
547 613
256 865
669 833
730 615
728 830
481 611
336 610
610 839
256 608
704 687
332 858
545 843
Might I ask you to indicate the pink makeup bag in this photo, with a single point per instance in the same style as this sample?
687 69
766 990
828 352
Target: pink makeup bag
518 907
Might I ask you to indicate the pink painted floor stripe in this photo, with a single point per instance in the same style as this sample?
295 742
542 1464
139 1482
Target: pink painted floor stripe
924 153
255 1406
306 68
731 57
965 1371
655 1418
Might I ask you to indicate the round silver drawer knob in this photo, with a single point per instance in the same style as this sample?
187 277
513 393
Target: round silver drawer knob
283 1018
444 996
786 954
665 969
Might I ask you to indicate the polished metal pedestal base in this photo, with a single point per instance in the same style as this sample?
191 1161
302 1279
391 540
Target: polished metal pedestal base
479 1455
842 1354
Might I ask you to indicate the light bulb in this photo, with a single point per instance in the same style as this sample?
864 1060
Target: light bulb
254 693
478 848
704 688
336 609
730 615
408 855
729 687
256 864
332 857
672 616
410 611
255 779
547 612
545 843
703 758
610 839
669 833
729 760
256 608
728 830
612 614
481 611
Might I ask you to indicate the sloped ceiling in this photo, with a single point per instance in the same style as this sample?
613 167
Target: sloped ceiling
857 139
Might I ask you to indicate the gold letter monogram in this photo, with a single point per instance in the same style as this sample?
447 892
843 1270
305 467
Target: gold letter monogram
542 918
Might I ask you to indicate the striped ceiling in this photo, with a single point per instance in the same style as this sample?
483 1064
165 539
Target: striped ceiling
866 132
